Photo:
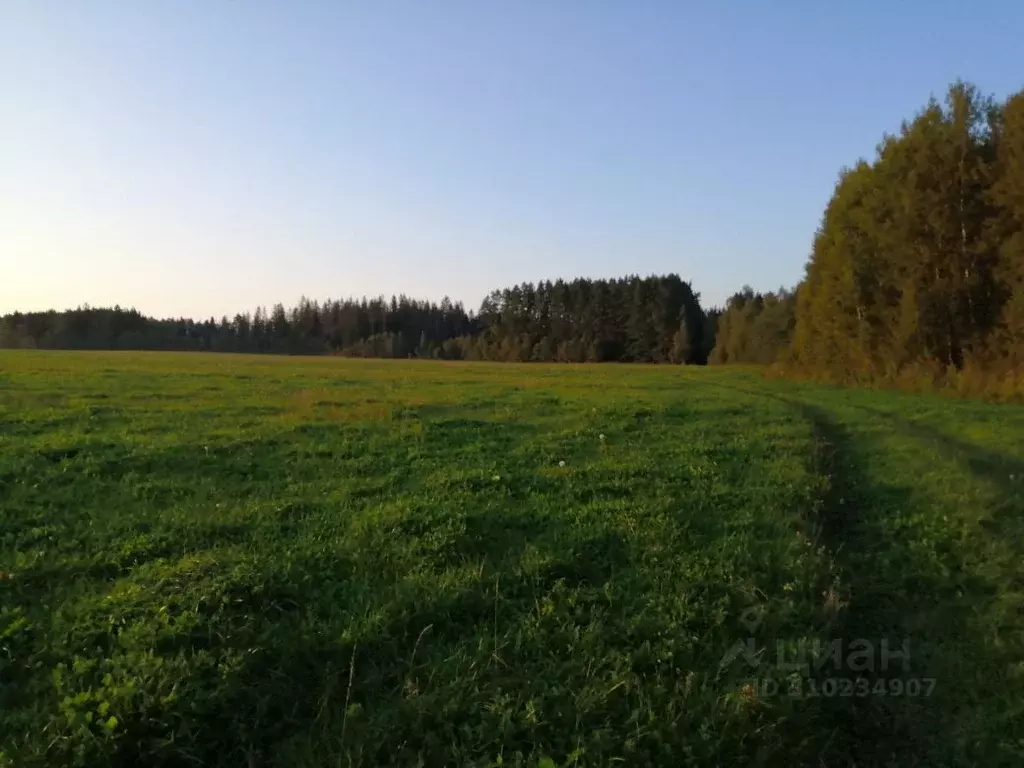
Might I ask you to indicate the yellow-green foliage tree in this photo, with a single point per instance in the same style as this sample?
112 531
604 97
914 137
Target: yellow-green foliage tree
754 327
917 264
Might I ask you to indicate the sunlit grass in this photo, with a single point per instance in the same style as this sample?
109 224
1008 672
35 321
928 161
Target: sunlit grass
244 560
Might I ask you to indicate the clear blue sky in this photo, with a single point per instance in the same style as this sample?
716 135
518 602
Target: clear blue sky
200 158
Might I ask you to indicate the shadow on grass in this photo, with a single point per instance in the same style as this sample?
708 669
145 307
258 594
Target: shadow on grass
900 589
1002 471
268 661
897 595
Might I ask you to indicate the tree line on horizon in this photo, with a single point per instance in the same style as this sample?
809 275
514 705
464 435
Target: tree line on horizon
651 319
916 272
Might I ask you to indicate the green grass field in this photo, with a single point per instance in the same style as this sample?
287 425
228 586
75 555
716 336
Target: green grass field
260 561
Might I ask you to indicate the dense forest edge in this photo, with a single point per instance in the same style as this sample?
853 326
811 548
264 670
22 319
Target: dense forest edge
915 279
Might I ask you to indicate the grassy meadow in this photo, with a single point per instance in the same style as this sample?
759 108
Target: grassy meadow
264 561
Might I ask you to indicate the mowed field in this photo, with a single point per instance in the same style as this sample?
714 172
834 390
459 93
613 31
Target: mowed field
259 561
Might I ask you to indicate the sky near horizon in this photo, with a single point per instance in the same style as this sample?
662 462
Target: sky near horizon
200 158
